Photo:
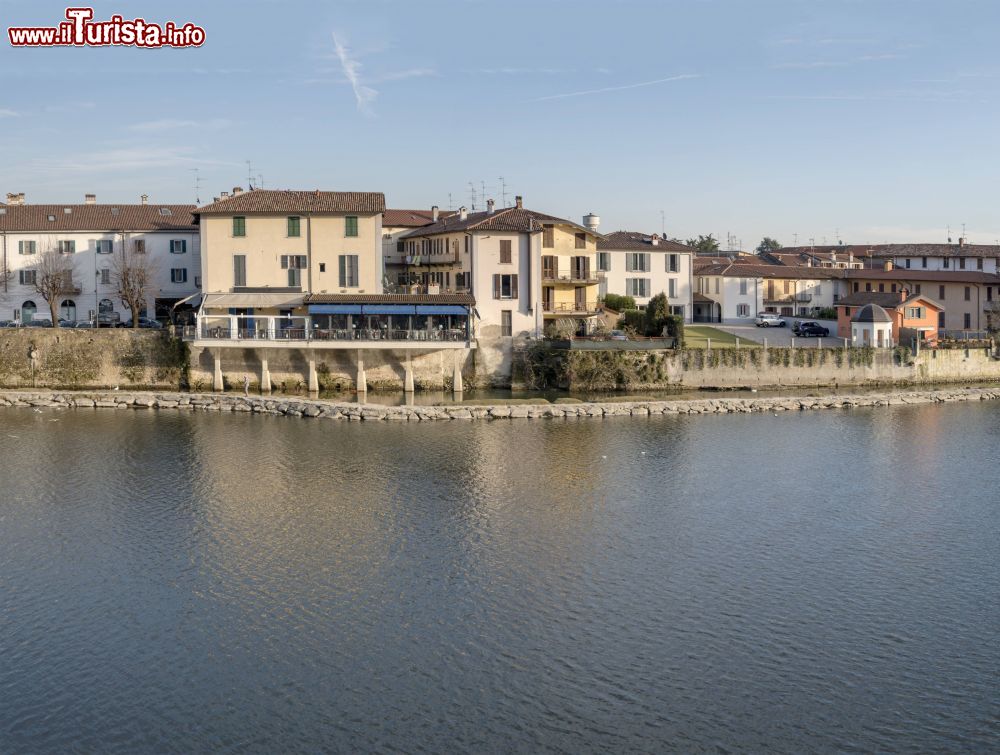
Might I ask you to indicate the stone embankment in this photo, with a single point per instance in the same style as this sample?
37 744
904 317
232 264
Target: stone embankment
368 412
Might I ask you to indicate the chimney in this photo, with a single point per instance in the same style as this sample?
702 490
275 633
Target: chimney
833 256
519 202
434 213
225 195
961 241
463 214
490 205
145 198
90 199
904 294
887 266
15 199
237 190
654 239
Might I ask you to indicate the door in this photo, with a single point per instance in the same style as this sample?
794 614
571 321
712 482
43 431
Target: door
548 299
580 297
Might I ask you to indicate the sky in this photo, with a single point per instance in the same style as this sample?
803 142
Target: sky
810 121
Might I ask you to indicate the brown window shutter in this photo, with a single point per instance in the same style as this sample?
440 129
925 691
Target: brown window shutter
496 286
513 286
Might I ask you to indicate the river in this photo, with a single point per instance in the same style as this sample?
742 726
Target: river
817 581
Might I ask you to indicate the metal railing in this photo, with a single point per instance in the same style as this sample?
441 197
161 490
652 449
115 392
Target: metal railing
578 306
211 332
554 276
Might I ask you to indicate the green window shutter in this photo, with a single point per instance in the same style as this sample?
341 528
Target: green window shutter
342 264
239 226
351 225
293 226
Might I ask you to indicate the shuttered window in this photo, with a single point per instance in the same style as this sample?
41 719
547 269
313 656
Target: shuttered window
505 251
348 270
548 237
239 226
351 225
505 286
178 246
27 247
581 241
239 269
294 227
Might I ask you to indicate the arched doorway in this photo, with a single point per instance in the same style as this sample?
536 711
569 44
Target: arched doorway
67 310
28 310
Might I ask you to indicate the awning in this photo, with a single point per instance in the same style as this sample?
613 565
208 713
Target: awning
252 301
335 309
441 309
389 309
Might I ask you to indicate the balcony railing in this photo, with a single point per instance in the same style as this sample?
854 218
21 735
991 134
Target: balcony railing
419 288
578 277
578 307
788 298
301 329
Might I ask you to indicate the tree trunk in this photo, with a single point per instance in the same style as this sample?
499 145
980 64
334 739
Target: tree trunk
54 311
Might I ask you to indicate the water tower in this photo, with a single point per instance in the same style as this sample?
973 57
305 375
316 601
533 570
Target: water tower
591 221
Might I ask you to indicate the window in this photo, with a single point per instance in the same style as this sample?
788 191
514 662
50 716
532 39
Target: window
907 263
916 289
178 275
66 247
197 281
104 246
961 263
946 263
742 310
67 310
548 237
989 293
979 263
637 262
673 263
855 287
637 287
401 246
671 288
717 285
915 313
27 247
504 286
923 262
239 269
178 246
28 310
468 244
239 226
868 287
505 251
940 319
322 267
941 293
165 211
506 328
348 264
581 241
351 225
27 277
893 288
293 226
604 262
743 286
294 264
881 288
105 306
105 276
967 320
139 246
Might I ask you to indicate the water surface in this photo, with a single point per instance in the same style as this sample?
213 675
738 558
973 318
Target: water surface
825 581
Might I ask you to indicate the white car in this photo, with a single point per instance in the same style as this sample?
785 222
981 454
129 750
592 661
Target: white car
769 320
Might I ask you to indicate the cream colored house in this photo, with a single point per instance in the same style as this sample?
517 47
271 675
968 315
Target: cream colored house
524 268
642 266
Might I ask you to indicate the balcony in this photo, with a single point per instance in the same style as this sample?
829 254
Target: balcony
787 298
577 308
575 277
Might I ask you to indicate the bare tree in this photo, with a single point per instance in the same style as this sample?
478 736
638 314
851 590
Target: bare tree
5 272
54 280
133 273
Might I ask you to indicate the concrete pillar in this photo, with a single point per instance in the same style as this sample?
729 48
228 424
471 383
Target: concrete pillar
217 383
313 378
265 377
408 378
362 380
457 385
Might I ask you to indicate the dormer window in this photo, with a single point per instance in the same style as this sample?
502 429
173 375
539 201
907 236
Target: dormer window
52 218
165 211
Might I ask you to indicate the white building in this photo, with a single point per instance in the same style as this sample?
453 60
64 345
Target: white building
642 266
92 234
736 293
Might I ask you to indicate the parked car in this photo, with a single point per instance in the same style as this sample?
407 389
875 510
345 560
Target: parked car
812 329
109 320
9 324
83 324
144 322
43 322
618 335
769 320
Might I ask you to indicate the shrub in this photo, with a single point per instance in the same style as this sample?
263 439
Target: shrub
619 303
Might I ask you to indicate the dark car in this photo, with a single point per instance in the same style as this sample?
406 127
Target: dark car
812 330
144 322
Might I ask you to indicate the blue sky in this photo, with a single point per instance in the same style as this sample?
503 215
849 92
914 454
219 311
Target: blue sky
873 119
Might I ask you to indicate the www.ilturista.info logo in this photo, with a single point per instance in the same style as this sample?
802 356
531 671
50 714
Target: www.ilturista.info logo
80 31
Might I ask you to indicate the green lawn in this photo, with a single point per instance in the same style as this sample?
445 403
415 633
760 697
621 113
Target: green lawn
696 337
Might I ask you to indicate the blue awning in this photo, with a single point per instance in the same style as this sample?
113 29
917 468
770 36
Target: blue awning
442 309
389 309
335 309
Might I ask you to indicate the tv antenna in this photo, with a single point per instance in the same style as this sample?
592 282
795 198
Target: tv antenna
197 186
503 192
795 239
249 176
472 195
451 202
663 224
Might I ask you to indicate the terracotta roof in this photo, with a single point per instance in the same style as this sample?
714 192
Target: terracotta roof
699 297
895 250
412 218
268 201
97 217
509 219
463 299
940 276
883 299
745 270
640 242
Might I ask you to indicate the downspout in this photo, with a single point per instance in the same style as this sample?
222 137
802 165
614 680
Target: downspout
309 263
6 270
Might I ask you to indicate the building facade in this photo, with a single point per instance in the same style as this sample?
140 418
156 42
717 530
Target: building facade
736 293
94 238
641 266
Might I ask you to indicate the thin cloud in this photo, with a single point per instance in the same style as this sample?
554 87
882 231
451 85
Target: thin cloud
409 73
602 90
363 95
7 113
173 124
126 159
